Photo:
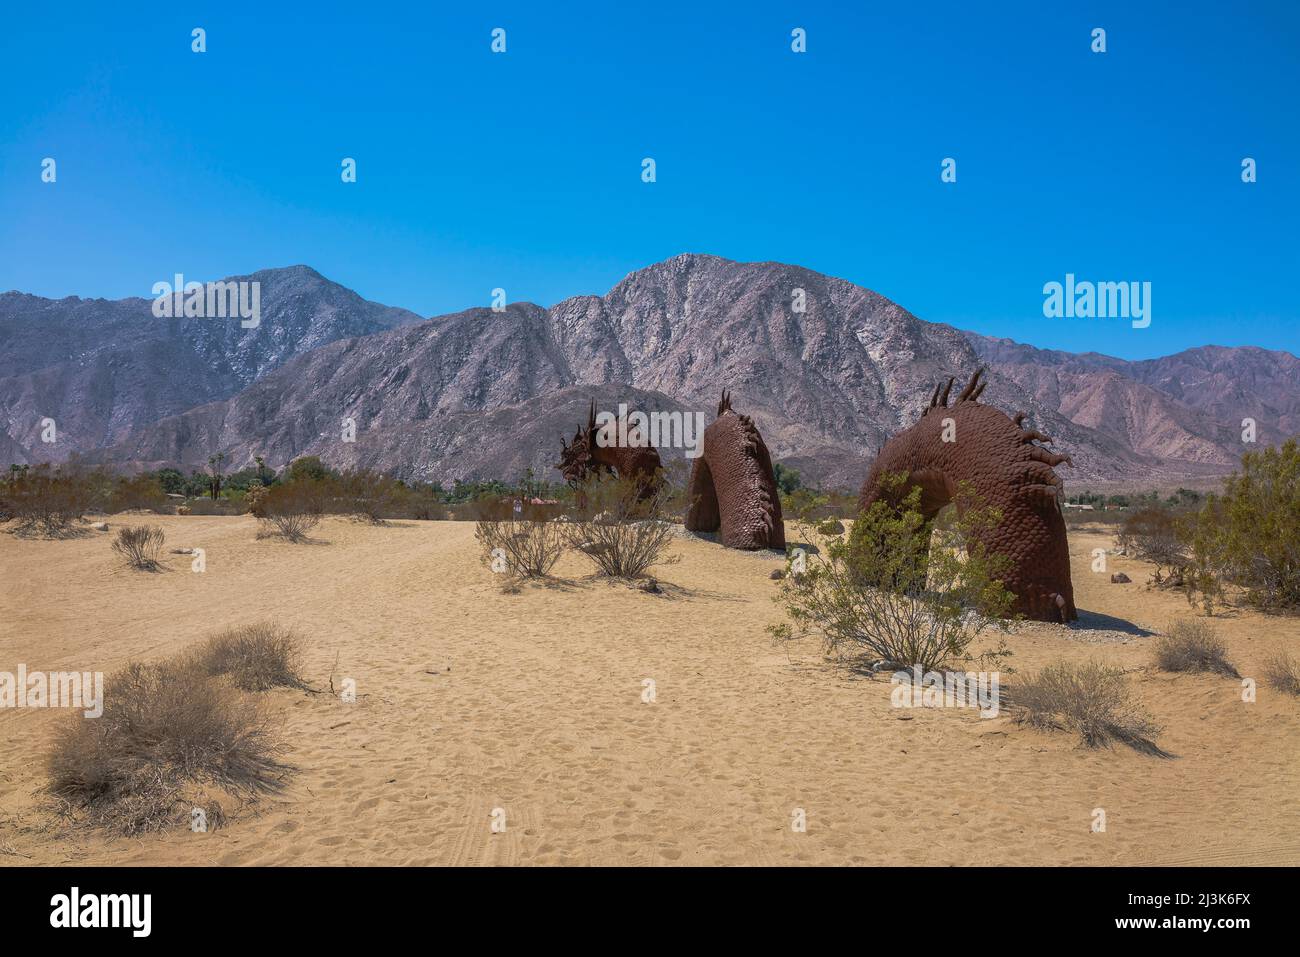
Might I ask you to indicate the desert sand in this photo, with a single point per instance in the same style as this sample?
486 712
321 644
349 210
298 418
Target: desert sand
474 700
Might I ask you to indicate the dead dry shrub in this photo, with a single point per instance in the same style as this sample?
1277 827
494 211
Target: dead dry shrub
254 499
139 492
46 500
370 496
424 506
220 506
255 657
1193 645
140 545
290 511
520 548
623 527
170 739
1282 672
1091 699
1153 534
486 508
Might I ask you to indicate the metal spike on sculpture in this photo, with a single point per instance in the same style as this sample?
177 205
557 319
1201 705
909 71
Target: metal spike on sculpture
733 488
1007 470
585 458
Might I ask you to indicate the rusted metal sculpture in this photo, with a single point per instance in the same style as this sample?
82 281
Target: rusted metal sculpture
586 458
1007 470
733 489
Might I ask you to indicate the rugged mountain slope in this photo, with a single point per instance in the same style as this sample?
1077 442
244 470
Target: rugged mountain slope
102 368
826 385
483 393
1182 409
1230 384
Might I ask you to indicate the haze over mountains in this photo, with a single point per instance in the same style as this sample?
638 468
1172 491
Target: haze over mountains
484 394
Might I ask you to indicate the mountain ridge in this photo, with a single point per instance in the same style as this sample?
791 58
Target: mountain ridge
826 385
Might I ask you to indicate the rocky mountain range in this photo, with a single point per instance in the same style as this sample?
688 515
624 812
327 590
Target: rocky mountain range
827 369
102 369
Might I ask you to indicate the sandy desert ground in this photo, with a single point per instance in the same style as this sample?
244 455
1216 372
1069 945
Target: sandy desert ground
475 700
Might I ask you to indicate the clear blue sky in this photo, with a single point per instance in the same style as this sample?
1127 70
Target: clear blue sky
522 170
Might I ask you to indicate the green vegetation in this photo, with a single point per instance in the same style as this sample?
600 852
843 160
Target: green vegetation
1244 539
787 479
896 589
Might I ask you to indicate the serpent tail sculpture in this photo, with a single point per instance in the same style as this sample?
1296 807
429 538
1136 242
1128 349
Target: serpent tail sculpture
733 489
586 458
1008 470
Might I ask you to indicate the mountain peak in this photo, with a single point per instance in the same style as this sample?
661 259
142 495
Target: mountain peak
826 384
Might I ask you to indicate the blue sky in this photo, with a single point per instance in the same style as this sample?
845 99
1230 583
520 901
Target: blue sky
523 170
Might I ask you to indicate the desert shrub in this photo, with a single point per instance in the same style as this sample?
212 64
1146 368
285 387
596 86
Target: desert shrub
371 496
486 508
1282 672
891 592
1207 567
138 492
1091 699
521 548
829 527
1152 534
46 499
255 657
423 502
209 506
168 736
426 509
804 504
254 499
622 527
1193 646
139 545
290 510
1250 534
813 505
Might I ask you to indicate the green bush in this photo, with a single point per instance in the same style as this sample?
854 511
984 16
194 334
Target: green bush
787 479
893 592
1260 523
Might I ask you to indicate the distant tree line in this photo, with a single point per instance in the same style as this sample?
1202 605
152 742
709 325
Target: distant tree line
1182 498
